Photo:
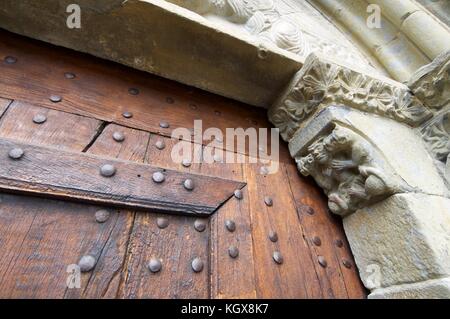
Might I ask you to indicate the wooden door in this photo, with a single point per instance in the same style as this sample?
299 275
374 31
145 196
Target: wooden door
71 114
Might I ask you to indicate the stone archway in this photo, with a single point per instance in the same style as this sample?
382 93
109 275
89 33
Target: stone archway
378 148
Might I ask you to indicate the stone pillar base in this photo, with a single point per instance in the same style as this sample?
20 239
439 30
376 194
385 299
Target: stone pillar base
430 289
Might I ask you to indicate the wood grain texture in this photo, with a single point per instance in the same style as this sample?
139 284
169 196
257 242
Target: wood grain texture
76 176
4 103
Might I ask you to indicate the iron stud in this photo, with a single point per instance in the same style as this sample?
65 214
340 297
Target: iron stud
233 251
200 225
322 261
268 201
87 263
230 225
162 222
238 194
339 243
127 114
39 118
158 177
347 263
101 216
16 153
277 257
164 124
69 75
107 170
160 144
189 184
186 162
316 241
55 98
309 210
154 265
273 236
197 264
118 136
10 59
133 91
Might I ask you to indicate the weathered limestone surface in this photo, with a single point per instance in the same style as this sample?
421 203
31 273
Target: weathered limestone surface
407 236
430 289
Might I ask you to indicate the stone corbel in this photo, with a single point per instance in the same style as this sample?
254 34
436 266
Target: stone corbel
357 135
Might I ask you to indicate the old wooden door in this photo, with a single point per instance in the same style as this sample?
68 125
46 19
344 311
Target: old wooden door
73 114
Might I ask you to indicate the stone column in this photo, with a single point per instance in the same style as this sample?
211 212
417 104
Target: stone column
357 135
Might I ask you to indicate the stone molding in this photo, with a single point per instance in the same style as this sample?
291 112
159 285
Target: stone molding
322 82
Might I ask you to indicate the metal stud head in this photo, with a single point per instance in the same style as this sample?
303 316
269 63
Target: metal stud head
118 136
160 144
200 225
127 114
347 263
316 241
277 257
158 177
230 225
133 91
55 98
107 170
154 265
69 75
268 201
339 243
189 184
322 261
309 210
10 59
87 263
162 222
238 194
101 216
186 162
39 118
164 124
16 153
273 236
233 251
197 264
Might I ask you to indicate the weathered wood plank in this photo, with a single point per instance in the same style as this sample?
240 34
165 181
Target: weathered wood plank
64 174
60 130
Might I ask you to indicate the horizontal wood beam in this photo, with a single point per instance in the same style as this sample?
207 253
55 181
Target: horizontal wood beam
77 176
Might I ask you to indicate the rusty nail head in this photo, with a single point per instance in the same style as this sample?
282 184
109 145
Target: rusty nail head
107 170
189 184
186 162
118 136
339 243
162 222
16 153
197 264
277 257
316 241
322 261
127 114
309 210
10 59
200 225
158 177
87 263
238 194
268 201
273 236
230 225
154 265
233 251
39 118
347 263
160 144
55 98
133 91
101 216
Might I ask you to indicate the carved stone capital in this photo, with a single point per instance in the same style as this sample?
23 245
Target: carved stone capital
322 82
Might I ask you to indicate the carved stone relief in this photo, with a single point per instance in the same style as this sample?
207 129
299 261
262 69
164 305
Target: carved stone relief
276 21
350 172
321 82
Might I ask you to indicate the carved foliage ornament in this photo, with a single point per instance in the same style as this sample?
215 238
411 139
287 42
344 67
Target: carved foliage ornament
349 170
321 82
